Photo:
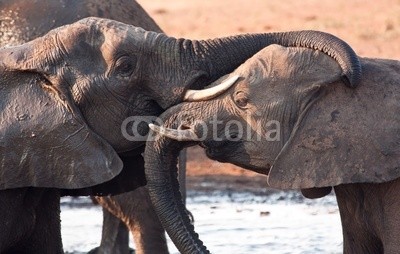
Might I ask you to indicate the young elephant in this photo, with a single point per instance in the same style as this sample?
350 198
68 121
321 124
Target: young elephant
290 117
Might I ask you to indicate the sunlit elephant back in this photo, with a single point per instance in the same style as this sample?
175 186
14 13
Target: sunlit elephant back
22 21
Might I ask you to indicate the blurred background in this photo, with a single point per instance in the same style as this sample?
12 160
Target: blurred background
234 210
372 28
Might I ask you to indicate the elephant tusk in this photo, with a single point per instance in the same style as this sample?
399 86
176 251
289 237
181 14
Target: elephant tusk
209 93
180 135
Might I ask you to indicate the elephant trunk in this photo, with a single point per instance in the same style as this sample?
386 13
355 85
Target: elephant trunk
161 155
226 54
202 62
161 173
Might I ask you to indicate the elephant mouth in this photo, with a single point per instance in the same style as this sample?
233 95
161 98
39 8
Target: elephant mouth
226 152
222 151
225 156
216 150
215 154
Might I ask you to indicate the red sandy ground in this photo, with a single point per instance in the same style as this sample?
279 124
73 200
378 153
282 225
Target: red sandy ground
371 27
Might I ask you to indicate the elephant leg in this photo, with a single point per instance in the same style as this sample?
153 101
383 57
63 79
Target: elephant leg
31 221
360 242
114 236
359 235
391 232
16 220
392 245
146 228
136 211
46 236
388 201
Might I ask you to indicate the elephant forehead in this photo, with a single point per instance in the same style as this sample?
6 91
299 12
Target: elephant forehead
114 30
107 35
272 61
104 34
276 63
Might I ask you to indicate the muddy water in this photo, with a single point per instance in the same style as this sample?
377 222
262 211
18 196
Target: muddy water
234 223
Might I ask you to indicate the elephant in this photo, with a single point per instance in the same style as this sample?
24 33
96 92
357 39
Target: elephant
23 21
21 24
289 116
67 93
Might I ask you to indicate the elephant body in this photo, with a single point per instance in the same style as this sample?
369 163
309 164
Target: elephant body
290 117
23 21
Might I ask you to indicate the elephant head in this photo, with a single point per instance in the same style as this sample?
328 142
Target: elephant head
70 91
288 116
23 21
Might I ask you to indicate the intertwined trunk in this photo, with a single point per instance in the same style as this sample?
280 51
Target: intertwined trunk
205 61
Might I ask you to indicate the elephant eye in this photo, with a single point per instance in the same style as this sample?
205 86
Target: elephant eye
241 99
125 66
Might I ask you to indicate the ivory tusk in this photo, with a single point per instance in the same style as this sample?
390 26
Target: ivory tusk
209 93
180 135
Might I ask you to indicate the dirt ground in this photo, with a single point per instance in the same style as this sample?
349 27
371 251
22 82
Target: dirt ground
372 28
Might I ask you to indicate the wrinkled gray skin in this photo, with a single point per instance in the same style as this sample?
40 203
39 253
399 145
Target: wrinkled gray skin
328 135
23 21
64 93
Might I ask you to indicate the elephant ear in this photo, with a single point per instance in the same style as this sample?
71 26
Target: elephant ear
44 140
313 193
346 136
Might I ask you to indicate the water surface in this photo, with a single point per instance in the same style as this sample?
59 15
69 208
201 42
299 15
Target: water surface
232 223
